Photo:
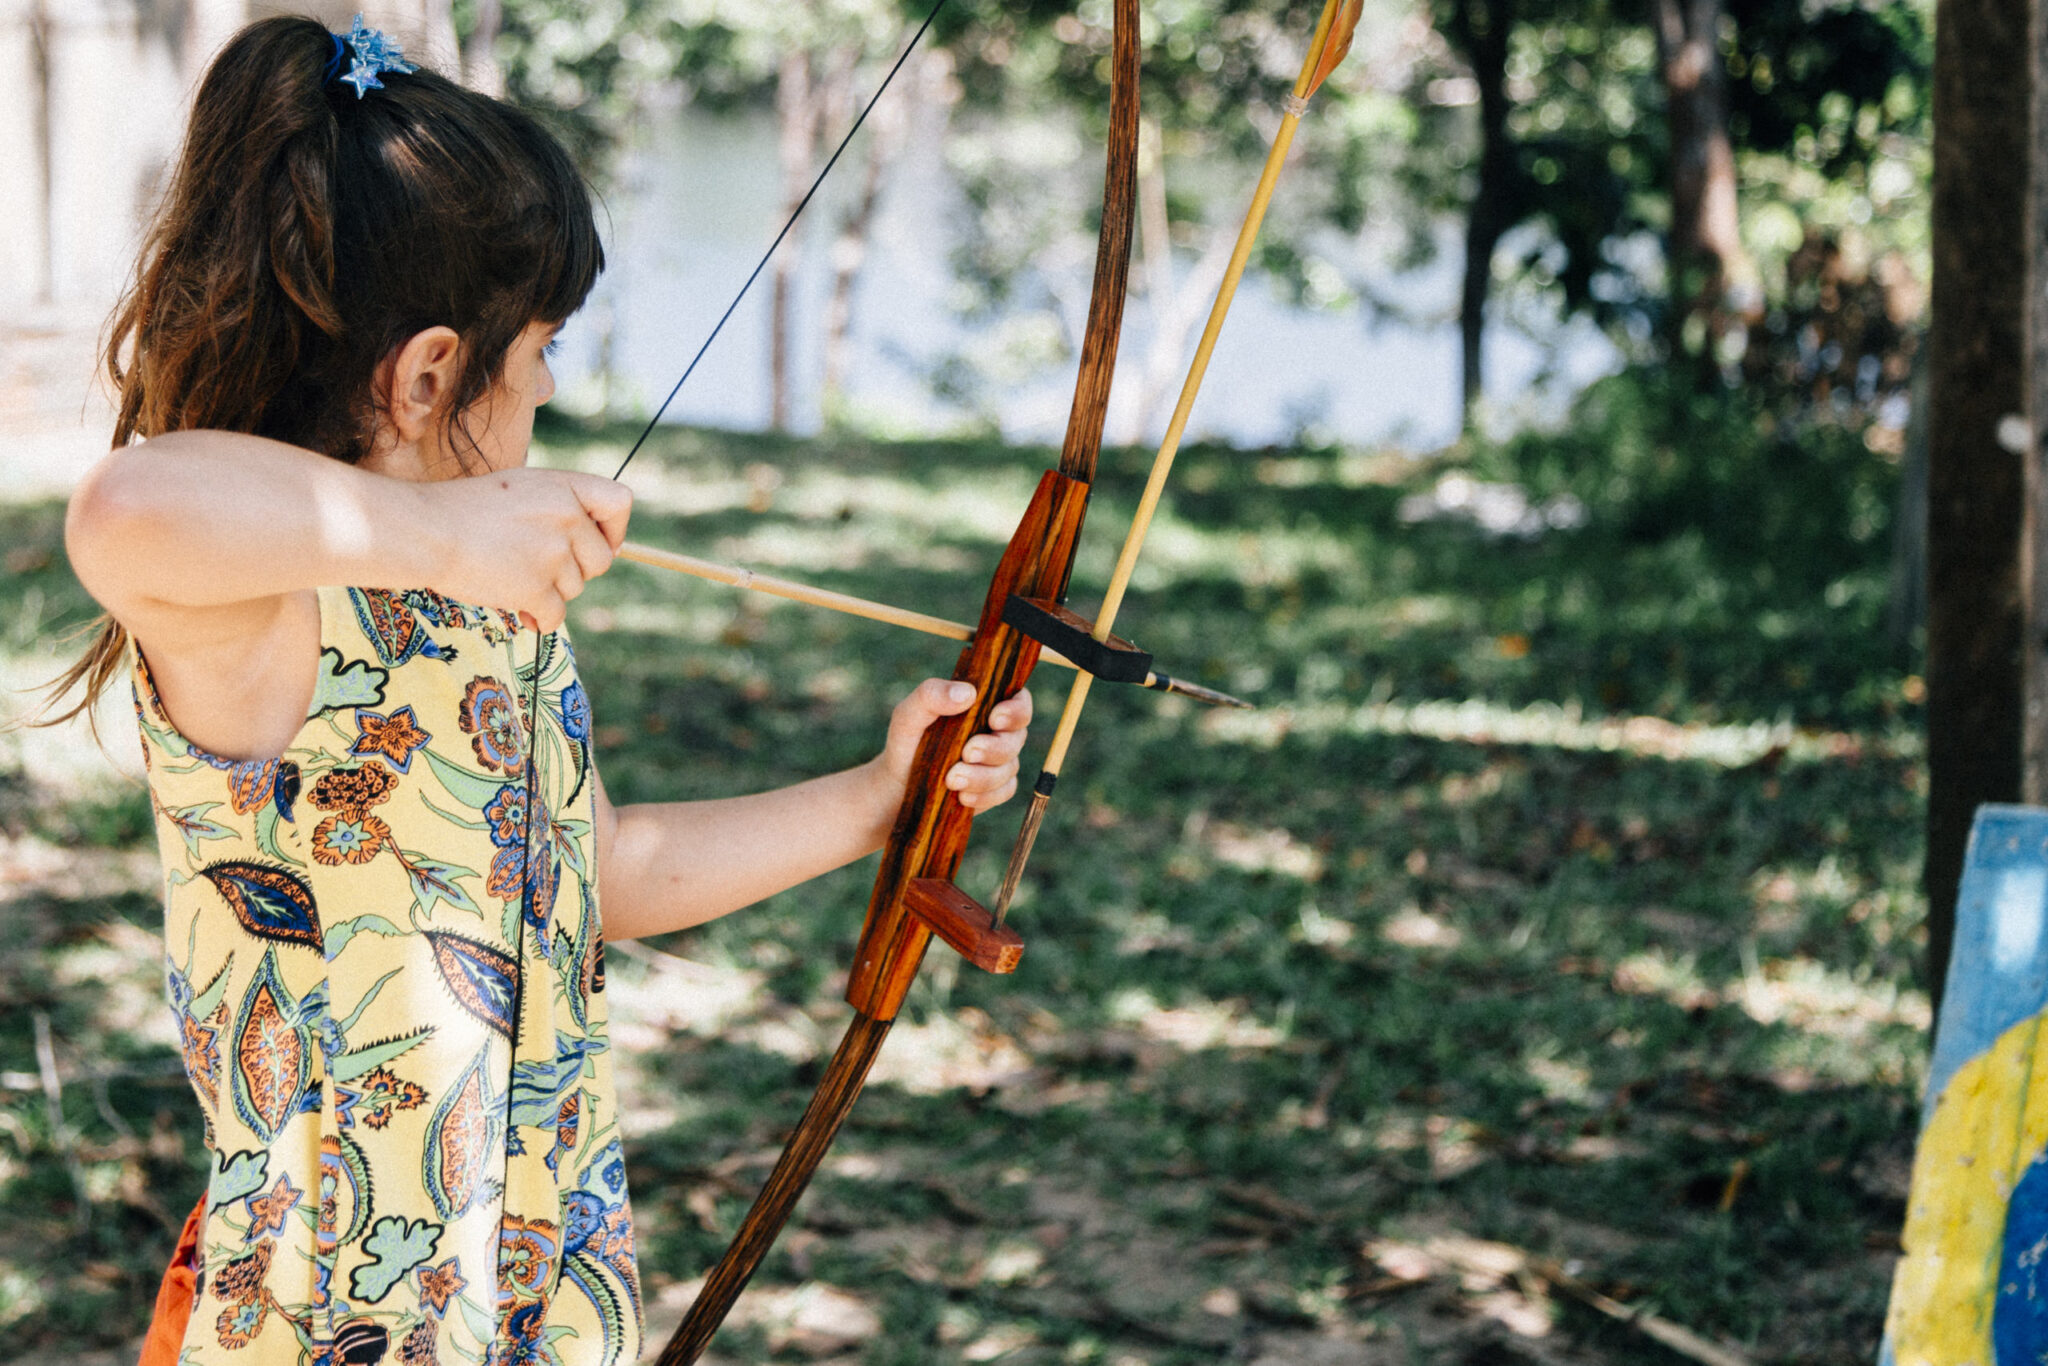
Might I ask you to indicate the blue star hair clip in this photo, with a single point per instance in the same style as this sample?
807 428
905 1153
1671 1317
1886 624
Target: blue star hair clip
374 54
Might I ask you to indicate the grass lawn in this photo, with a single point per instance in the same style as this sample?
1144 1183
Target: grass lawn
1557 905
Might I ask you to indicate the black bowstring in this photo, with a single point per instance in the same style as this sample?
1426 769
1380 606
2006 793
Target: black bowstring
795 213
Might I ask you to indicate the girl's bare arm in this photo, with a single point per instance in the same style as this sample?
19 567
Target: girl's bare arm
206 547
668 866
193 522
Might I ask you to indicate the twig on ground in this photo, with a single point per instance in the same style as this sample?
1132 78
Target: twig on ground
61 1136
1681 1340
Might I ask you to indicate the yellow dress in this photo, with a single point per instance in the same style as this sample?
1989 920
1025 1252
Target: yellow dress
384 957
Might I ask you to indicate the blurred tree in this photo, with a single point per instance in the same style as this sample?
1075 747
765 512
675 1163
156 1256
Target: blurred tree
594 66
1031 76
1829 114
1557 86
1814 113
1978 556
1711 274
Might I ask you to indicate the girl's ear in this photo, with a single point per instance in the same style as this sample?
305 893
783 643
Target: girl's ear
421 382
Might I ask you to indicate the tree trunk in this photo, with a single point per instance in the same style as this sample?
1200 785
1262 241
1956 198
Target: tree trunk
1482 28
850 249
480 69
1906 609
1976 487
1175 302
45 191
796 115
435 25
1706 258
2033 570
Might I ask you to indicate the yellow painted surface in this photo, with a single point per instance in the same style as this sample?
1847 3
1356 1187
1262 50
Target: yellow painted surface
1991 1121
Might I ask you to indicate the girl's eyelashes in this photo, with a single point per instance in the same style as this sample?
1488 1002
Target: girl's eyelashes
553 348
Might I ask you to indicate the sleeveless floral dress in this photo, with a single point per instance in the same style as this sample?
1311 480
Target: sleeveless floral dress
384 958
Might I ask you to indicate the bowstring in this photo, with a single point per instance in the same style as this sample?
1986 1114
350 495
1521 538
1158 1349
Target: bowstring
789 223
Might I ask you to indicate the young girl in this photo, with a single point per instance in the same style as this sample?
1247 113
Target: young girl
382 834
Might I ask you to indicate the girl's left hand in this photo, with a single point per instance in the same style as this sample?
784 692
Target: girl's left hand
986 775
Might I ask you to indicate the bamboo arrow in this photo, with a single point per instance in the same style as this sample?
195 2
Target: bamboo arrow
753 581
1331 42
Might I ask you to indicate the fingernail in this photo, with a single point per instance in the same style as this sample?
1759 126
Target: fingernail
972 754
956 779
960 692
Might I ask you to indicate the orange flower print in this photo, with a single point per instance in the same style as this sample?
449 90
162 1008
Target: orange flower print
268 1212
251 783
396 737
617 1244
350 837
418 1347
490 718
201 1044
526 1258
440 1284
240 1322
353 791
242 1278
383 1093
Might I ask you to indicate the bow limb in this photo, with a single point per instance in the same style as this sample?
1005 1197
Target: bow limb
1326 49
914 894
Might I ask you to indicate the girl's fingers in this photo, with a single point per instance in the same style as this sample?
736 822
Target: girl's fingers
568 587
548 613
591 551
986 775
609 504
928 701
1012 713
985 793
993 747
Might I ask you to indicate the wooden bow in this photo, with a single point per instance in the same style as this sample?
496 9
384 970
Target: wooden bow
914 896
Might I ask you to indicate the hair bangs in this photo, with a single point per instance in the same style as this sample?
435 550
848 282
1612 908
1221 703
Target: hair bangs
571 253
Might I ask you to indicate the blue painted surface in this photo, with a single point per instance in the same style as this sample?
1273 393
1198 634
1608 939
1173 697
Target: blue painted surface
2019 1317
1998 969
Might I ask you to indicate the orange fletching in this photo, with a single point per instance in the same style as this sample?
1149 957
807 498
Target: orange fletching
1338 45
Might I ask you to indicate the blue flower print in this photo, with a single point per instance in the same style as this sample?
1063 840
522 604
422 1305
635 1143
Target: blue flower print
576 712
507 815
582 1220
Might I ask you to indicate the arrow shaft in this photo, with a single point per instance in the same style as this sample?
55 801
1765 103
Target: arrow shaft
798 592
756 582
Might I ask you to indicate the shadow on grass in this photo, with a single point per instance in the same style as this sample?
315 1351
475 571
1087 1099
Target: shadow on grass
1297 1004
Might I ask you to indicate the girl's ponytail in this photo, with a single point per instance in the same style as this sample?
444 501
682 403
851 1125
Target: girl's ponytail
308 230
238 266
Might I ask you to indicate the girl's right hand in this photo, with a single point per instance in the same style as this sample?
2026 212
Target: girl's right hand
525 540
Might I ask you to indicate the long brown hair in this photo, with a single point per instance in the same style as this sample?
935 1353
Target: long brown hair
307 232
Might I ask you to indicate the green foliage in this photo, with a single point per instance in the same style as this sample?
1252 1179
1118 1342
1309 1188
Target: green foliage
595 67
1657 460
1588 161
1754 523
1830 83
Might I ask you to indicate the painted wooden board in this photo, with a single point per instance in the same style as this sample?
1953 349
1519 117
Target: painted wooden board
1972 1288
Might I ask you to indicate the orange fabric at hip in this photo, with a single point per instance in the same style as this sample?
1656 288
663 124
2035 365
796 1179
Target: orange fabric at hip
174 1297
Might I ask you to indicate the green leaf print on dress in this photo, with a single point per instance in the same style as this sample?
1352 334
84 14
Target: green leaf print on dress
356 683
